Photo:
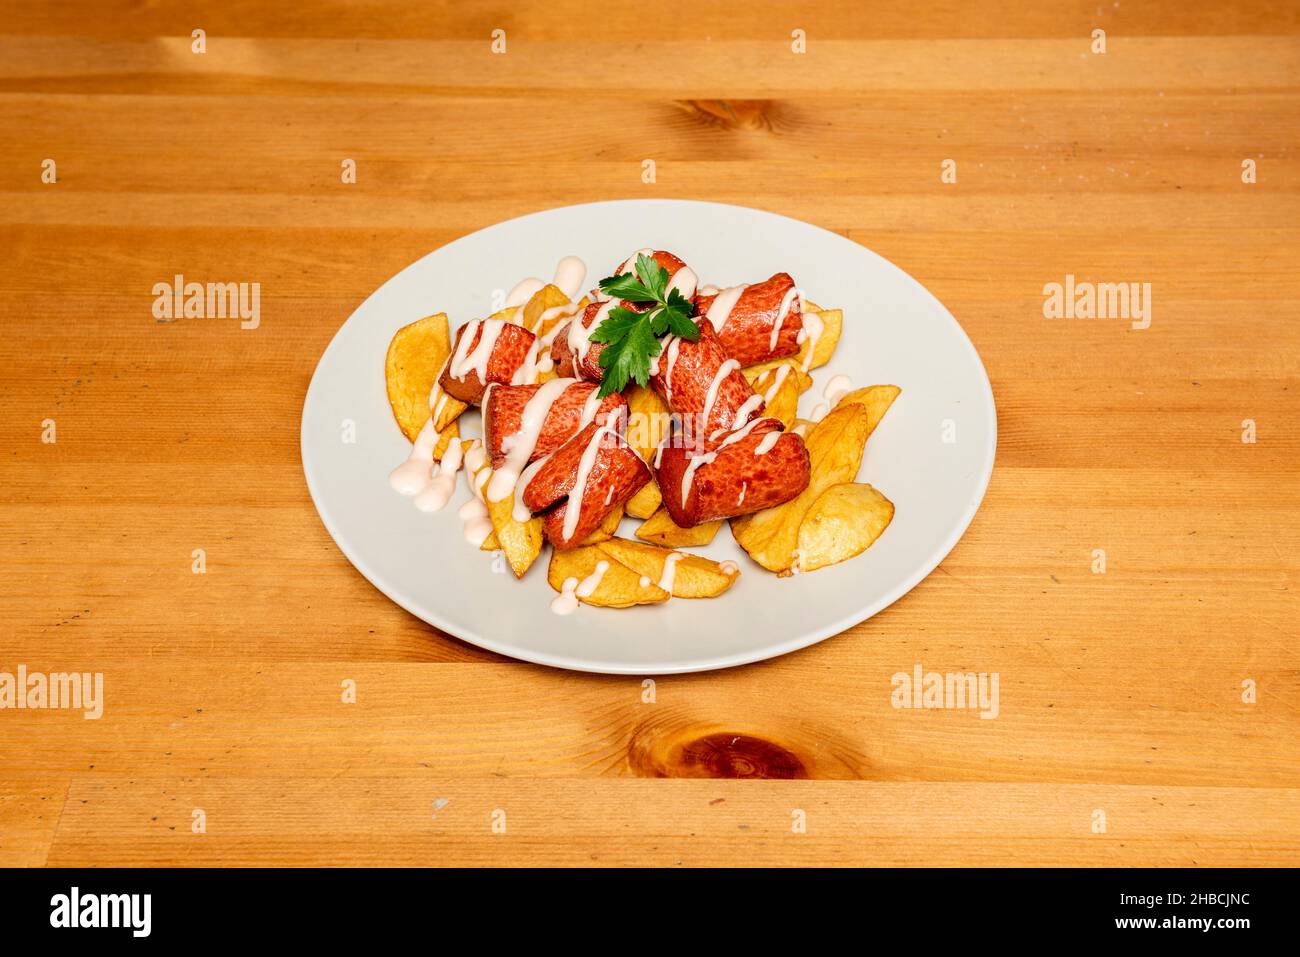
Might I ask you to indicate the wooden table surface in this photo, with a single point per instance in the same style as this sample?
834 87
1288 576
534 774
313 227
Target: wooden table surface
1127 732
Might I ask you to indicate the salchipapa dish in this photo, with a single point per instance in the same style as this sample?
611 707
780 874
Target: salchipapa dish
653 397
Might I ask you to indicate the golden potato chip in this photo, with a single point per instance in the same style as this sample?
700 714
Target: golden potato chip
521 541
646 501
779 383
876 399
821 333
591 576
415 357
823 345
445 438
448 411
835 447
843 522
607 528
545 310
660 529
760 376
647 421
512 314
692 576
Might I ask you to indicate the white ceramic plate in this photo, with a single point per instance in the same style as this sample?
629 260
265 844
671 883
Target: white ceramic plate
932 454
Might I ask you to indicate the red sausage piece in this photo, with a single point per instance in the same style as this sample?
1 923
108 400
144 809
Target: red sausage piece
509 349
503 412
746 333
733 479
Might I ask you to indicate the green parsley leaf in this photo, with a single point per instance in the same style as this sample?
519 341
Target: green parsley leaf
681 324
626 287
653 276
628 358
632 338
617 325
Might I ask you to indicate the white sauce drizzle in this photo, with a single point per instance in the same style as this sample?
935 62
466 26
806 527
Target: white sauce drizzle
566 602
684 281
670 571
659 452
589 409
570 272
475 459
767 443
784 311
523 290
435 496
782 373
720 309
710 397
579 337
740 499
836 389
414 475
521 512
580 485
812 330
463 362
630 262
475 522
674 345
728 568
688 477
747 410
522 443
592 581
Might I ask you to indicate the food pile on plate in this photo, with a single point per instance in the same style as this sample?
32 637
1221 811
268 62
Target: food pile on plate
653 397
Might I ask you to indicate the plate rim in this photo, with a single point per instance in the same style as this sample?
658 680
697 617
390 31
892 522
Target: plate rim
589 666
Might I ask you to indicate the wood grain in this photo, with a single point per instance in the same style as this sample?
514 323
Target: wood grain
1120 692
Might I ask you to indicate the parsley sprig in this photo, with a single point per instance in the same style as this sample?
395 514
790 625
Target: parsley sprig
632 338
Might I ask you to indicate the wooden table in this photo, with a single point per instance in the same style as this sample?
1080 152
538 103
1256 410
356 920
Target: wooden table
1123 736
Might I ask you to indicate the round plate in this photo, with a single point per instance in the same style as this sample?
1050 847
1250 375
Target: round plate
931 455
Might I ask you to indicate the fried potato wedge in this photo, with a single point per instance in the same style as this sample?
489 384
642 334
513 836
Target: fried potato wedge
814 351
780 383
835 447
760 379
537 316
660 529
607 528
415 357
647 425
646 501
843 522
817 351
520 541
612 586
876 399
647 422
692 575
